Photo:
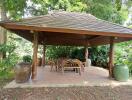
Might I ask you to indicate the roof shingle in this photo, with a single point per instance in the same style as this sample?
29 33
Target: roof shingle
73 20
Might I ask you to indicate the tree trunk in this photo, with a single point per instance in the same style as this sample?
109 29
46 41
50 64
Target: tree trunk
3 32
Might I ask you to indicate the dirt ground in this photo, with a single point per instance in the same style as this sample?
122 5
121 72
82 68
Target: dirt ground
66 93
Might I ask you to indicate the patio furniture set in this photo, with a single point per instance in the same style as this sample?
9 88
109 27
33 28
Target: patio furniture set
63 64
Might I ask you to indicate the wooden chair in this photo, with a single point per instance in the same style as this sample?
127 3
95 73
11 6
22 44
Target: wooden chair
52 63
59 64
82 64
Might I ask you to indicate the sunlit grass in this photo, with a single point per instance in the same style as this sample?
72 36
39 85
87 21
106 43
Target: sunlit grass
7 75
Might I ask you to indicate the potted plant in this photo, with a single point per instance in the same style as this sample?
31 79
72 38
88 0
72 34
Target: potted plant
121 70
23 70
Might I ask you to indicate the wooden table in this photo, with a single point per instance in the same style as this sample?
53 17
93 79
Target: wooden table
71 64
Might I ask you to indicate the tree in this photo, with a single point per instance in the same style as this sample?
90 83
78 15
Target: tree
119 4
3 31
104 9
41 7
15 10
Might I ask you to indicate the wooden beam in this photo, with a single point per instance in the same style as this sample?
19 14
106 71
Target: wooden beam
65 41
63 35
62 30
93 38
111 57
100 40
35 50
43 58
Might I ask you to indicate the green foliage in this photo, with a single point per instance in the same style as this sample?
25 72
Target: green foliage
78 53
27 58
4 48
123 54
14 8
40 7
120 56
104 9
118 4
128 62
54 52
127 3
99 56
23 47
130 26
7 64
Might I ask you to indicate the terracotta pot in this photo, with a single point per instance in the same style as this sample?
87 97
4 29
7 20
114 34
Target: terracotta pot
22 72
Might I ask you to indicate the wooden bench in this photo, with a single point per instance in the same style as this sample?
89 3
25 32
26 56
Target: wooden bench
62 64
71 64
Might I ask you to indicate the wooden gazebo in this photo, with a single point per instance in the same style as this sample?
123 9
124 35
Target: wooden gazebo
68 28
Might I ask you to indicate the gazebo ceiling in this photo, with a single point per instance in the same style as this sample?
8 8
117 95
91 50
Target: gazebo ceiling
69 28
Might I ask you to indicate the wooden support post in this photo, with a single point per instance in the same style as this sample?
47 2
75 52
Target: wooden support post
86 53
35 50
43 58
111 57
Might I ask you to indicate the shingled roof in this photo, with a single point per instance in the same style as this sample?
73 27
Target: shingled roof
69 28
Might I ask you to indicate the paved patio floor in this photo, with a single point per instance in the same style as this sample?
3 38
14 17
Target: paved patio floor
92 76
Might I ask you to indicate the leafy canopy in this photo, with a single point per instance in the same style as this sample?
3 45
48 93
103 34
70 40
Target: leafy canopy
14 8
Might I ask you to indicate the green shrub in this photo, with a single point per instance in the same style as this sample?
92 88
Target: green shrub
54 52
27 58
7 63
78 53
128 62
99 56
123 54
